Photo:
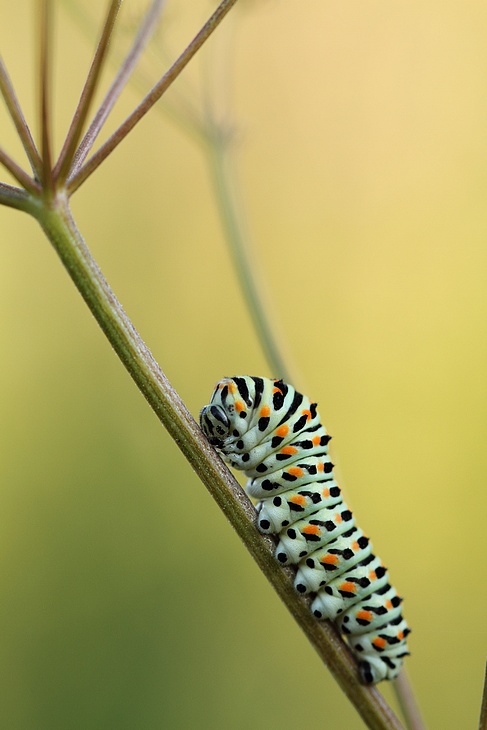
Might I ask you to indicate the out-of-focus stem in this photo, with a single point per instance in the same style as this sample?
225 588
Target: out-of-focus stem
230 211
407 702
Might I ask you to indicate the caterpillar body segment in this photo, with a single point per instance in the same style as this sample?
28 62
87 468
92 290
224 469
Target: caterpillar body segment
338 556
282 511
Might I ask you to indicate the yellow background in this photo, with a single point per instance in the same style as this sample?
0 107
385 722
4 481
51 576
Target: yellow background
126 599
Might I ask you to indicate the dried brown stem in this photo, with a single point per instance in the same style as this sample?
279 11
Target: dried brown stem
73 137
15 198
152 97
45 38
18 173
146 29
18 119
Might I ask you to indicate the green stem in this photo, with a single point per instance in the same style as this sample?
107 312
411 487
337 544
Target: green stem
58 225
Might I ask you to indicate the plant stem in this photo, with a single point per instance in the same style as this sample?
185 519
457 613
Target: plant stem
146 29
152 97
45 38
230 212
18 119
63 164
407 702
483 707
61 230
15 198
18 173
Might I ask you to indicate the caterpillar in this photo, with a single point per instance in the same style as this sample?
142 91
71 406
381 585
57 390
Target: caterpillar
274 434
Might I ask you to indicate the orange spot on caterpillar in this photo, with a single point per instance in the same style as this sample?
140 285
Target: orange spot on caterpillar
282 431
348 587
239 406
317 440
325 492
265 412
379 643
372 575
355 546
290 450
330 559
306 413
389 604
295 471
311 530
298 499
364 616
338 518
400 635
321 466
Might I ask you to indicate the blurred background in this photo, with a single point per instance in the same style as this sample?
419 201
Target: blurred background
360 131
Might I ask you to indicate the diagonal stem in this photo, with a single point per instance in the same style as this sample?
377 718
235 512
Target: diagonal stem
61 230
483 707
15 198
61 169
146 29
15 111
152 97
18 173
407 702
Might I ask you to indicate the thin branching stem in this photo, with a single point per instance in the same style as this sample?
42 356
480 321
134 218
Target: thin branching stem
18 172
73 137
152 97
147 27
179 109
45 49
15 198
61 230
483 707
224 184
15 111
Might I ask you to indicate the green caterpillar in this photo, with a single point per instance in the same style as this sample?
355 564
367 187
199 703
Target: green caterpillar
273 434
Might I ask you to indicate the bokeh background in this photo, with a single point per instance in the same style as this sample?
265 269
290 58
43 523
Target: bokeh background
360 129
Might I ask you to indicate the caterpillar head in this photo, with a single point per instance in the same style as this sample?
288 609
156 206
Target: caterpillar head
215 424
227 415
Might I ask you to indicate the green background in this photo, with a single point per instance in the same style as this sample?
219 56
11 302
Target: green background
126 599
